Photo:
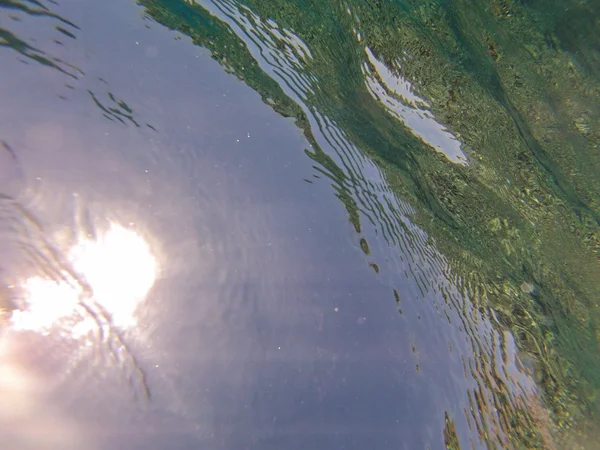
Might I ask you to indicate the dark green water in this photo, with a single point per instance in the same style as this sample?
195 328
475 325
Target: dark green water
462 140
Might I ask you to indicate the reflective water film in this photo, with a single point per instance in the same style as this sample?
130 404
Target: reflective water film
249 224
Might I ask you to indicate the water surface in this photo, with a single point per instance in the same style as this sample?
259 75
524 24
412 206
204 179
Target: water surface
298 225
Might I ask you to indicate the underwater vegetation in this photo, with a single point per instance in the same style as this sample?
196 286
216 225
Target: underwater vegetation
515 209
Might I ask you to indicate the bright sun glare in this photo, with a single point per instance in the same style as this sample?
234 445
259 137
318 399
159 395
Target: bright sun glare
118 266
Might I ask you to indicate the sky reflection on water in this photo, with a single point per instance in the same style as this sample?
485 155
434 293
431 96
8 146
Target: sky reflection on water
232 304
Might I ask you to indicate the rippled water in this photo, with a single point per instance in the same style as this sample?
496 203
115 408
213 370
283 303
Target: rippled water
299 224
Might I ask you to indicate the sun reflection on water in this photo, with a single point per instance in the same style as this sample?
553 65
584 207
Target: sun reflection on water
118 266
